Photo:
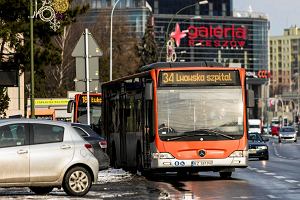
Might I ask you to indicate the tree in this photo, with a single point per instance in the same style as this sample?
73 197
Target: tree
148 48
4 101
125 59
48 54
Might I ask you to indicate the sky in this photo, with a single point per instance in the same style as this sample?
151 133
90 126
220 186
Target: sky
281 13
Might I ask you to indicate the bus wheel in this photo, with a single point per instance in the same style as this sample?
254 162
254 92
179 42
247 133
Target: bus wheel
139 162
225 175
113 160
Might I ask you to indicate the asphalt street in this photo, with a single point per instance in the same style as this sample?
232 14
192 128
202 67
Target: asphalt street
277 178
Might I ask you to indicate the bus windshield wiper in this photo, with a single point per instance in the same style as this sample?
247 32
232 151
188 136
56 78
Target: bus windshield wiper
202 132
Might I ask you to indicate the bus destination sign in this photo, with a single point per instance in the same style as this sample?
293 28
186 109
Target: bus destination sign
94 100
188 78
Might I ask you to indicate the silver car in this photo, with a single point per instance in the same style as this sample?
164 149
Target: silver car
42 154
287 133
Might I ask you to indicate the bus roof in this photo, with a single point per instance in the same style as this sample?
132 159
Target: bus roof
159 65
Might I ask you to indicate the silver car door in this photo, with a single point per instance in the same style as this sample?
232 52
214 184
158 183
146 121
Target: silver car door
14 154
51 150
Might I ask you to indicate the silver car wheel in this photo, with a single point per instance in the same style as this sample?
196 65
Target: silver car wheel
78 181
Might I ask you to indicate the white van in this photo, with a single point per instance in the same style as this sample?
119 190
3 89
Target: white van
254 125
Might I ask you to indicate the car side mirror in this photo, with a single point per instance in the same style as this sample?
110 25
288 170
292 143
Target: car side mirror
70 106
149 91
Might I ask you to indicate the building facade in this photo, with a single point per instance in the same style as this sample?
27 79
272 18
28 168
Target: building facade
285 62
285 70
132 13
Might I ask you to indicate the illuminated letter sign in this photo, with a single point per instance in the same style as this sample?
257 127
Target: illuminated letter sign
196 78
94 100
217 36
264 74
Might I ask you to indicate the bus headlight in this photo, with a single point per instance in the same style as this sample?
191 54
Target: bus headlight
162 156
238 154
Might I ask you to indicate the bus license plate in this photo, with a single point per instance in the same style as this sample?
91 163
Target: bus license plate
202 163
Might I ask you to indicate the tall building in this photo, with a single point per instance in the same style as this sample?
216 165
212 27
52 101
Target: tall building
285 62
133 13
212 8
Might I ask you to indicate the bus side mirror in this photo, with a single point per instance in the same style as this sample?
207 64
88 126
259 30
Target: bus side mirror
70 106
250 98
148 91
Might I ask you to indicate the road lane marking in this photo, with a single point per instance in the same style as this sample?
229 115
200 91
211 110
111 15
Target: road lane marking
270 174
272 196
279 177
291 181
261 171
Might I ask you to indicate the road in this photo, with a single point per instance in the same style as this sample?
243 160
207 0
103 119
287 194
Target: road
278 178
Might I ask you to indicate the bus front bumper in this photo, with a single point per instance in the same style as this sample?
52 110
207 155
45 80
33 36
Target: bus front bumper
235 162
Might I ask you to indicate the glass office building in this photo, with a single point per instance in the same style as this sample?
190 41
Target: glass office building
133 13
221 39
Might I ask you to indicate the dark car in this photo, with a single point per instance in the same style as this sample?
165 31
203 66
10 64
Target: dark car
99 143
257 147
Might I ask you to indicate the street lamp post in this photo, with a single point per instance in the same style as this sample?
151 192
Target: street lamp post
110 49
167 32
32 111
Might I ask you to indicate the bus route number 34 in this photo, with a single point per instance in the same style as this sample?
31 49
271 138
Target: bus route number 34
168 77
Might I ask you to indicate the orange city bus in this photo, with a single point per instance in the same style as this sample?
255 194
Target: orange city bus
78 108
184 117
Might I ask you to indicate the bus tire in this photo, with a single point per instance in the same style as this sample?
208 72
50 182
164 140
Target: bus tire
225 175
113 159
139 160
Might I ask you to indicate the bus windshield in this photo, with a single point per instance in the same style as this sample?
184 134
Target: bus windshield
95 114
201 111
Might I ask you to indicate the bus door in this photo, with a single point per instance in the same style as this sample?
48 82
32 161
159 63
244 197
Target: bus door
122 131
148 121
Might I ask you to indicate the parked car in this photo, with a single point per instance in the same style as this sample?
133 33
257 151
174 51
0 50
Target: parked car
258 147
43 154
99 143
287 133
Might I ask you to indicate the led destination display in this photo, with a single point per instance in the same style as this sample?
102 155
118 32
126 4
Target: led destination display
182 78
94 100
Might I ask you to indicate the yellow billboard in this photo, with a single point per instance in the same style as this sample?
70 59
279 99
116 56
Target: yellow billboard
51 102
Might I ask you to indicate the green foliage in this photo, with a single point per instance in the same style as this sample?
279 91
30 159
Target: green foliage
15 31
4 101
148 48
125 58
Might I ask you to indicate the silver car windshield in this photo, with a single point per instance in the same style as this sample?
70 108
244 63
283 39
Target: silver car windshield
184 111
